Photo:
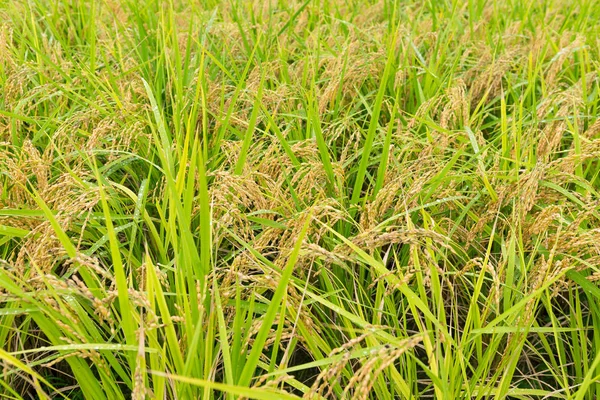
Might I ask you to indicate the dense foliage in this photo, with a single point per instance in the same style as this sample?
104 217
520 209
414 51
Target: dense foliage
316 198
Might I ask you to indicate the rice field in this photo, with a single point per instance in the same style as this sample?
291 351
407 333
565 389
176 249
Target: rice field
283 199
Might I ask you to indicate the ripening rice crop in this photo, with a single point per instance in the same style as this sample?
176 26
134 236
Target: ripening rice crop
320 199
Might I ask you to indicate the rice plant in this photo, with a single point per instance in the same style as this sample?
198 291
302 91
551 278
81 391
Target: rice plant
281 199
